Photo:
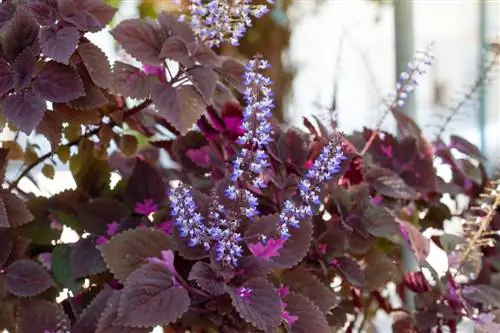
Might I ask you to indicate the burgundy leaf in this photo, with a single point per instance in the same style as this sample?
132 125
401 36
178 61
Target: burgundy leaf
24 65
204 79
416 282
25 110
108 320
87 321
131 81
13 210
151 297
181 107
466 147
59 44
86 259
310 318
7 80
350 270
127 251
267 251
44 11
205 55
21 33
311 287
58 82
258 302
232 70
387 182
25 278
99 13
37 316
140 38
145 183
171 26
93 98
97 64
206 277
94 216
6 244
175 49
420 244
7 11
3 162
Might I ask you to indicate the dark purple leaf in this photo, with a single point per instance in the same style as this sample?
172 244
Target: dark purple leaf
469 170
94 98
13 210
350 270
108 321
207 278
152 297
87 321
232 70
181 107
380 270
38 316
406 124
21 33
175 49
94 216
86 259
59 83
25 110
127 251
7 80
204 79
97 64
420 245
140 38
24 65
130 81
3 162
25 278
99 13
380 222
466 147
310 318
6 244
311 287
294 249
59 44
145 183
44 11
261 307
388 183
7 11
205 55
171 26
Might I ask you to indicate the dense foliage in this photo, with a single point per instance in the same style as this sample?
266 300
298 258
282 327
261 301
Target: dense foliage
254 226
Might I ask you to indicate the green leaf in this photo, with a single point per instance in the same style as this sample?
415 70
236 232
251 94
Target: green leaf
61 268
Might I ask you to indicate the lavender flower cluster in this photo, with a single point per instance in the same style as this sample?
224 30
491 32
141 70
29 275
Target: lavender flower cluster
256 125
216 21
220 231
324 168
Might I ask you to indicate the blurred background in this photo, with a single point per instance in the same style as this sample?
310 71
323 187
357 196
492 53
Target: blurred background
340 58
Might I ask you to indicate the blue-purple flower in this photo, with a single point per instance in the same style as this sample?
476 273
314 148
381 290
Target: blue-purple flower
217 21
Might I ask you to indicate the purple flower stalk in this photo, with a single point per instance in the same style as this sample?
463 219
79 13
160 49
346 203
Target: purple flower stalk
217 21
256 125
324 168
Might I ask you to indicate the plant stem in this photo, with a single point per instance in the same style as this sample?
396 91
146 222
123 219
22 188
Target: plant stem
130 112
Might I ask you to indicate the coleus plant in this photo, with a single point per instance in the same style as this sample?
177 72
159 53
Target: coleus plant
257 227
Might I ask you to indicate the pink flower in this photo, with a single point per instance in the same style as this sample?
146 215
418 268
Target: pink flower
485 322
112 229
268 250
285 315
166 227
101 240
146 207
54 224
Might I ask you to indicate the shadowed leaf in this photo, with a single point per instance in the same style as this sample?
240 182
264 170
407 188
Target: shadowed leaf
25 278
87 321
151 297
312 288
58 82
61 268
7 73
6 245
145 183
97 64
59 44
387 182
25 68
232 70
175 49
350 270
86 259
206 277
21 33
127 251
94 216
130 81
13 211
25 110
261 308
310 318
7 11
38 316
204 79
108 321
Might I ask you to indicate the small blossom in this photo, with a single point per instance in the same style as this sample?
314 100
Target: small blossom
245 293
46 260
146 207
55 224
218 21
166 227
187 218
101 240
112 228
485 323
